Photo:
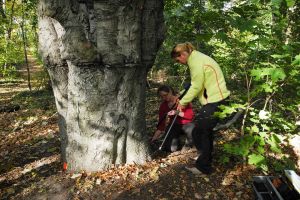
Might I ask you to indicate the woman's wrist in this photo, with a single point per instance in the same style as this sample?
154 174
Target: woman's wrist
181 114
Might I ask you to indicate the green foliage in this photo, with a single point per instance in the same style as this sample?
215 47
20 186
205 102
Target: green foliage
257 46
275 74
9 72
283 163
228 110
297 60
11 41
257 159
40 99
253 146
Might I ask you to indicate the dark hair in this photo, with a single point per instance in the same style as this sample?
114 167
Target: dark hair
179 48
166 88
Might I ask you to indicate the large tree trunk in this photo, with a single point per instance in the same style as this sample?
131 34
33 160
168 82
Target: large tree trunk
98 54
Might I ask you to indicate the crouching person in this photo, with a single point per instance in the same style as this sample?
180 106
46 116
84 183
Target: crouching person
182 126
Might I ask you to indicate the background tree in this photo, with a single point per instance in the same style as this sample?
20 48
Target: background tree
24 37
98 54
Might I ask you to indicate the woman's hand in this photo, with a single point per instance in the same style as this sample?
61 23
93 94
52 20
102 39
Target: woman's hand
156 135
175 112
172 112
180 107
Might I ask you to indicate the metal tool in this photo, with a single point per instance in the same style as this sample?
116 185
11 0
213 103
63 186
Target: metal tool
168 132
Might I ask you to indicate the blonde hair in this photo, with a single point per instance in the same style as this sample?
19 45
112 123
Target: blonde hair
182 47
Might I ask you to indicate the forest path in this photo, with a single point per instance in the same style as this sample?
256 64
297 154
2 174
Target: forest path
9 88
30 166
29 141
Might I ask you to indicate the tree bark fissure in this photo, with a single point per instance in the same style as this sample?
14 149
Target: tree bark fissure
97 54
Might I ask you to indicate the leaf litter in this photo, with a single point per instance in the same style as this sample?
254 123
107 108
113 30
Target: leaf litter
31 168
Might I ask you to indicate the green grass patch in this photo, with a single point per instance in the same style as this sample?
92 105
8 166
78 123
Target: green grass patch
40 99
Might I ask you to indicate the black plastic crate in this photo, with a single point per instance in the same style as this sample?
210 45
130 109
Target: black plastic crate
273 188
264 189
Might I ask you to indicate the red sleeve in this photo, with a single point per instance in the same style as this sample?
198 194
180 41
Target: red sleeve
163 110
188 112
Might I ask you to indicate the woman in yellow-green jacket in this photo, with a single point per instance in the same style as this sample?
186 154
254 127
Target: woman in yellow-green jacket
209 86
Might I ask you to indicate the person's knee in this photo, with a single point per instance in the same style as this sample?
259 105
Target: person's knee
188 143
174 145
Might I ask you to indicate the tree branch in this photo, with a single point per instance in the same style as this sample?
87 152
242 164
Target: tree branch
230 122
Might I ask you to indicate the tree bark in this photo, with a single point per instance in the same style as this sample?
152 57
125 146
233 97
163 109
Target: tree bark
50 34
98 54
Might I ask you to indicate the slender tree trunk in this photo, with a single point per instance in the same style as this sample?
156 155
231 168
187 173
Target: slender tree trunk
9 30
98 54
10 26
2 4
25 47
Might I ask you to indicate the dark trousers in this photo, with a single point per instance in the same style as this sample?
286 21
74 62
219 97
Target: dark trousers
203 135
172 142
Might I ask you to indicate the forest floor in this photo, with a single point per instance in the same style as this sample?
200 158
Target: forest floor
30 165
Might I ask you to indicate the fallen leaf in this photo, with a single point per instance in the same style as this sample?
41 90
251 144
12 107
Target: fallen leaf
197 196
98 181
153 174
10 191
75 176
239 193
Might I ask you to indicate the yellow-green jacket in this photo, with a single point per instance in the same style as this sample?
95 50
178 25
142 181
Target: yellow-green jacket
205 74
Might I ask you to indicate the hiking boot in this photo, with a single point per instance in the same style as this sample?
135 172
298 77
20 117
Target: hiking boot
197 171
194 170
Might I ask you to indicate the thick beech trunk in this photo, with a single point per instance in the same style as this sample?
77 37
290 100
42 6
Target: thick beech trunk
97 54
